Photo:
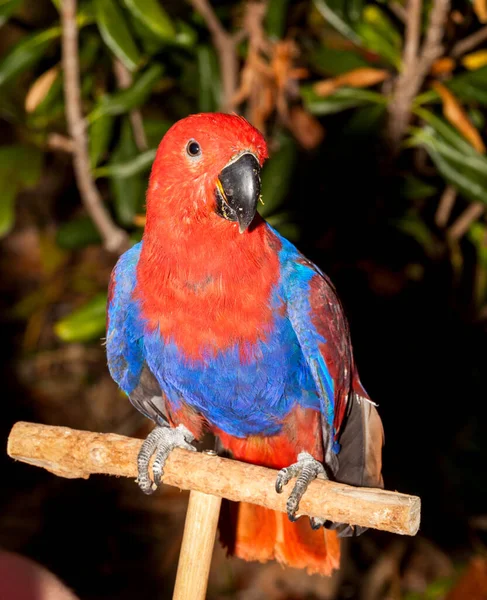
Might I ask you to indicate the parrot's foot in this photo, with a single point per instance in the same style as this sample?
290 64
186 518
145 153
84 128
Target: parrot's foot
306 470
159 443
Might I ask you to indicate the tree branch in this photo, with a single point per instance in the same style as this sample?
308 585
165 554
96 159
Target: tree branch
415 67
70 453
447 201
465 220
56 141
225 47
124 80
114 238
469 43
412 35
432 47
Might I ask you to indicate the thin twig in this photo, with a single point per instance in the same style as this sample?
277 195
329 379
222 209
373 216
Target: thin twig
416 67
469 43
399 10
445 206
124 80
462 224
432 47
78 454
406 82
114 238
56 141
225 47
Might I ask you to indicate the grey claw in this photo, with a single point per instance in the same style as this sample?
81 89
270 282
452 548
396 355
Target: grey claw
160 442
316 522
305 469
283 478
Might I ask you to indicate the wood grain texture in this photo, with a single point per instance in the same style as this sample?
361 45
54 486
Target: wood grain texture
197 547
78 454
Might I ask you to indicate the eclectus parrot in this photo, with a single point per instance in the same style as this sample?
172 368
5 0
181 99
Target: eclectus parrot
218 324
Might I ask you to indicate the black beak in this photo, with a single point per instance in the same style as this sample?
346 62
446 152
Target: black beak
238 190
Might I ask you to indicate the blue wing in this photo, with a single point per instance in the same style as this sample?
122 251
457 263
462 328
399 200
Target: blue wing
125 341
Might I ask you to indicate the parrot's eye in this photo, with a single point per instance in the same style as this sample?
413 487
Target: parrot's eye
193 148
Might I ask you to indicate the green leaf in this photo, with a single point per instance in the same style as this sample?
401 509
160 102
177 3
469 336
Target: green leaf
100 134
470 86
467 185
365 121
29 160
84 324
123 101
276 176
332 62
428 97
115 32
376 17
275 19
342 99
32 49
379 35
149 42
7 8
78 233
466 172
414 226
335 17
477 117
153 16
186 36
129 168
209 75
477 234
89 50
20 167
413 188
155 130
26 53
355 10
128 192
8 191
446 131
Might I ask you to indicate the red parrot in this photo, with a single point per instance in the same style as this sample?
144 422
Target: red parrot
218 324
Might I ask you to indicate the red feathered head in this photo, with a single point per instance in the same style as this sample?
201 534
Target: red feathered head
207 164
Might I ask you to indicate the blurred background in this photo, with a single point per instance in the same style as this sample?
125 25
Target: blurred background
375 115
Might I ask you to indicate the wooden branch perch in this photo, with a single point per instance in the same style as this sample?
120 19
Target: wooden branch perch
71 453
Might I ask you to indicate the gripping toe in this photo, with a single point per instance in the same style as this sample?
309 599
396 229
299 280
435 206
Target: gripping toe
305 469
159 443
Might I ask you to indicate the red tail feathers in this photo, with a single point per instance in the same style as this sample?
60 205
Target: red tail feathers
257 533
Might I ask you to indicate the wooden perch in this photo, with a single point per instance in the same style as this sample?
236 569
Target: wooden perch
71 453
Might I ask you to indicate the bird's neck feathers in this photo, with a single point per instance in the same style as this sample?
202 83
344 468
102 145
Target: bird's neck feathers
201 282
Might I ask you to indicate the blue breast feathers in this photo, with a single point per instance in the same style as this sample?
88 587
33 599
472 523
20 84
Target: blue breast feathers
241 398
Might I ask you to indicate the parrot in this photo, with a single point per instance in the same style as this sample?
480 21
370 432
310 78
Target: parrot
218 324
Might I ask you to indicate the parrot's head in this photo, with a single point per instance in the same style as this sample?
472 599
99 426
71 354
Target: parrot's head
207 168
